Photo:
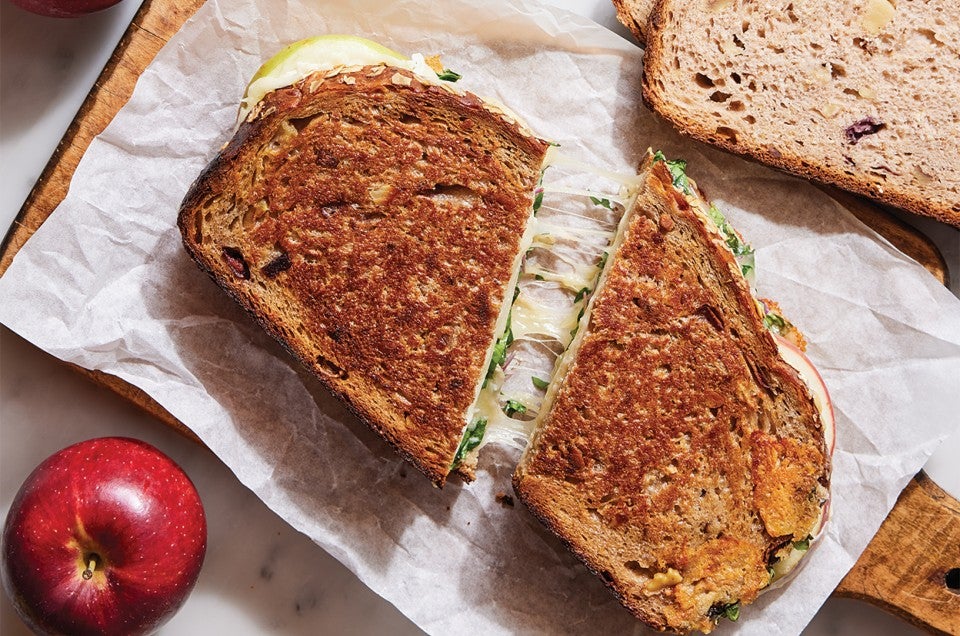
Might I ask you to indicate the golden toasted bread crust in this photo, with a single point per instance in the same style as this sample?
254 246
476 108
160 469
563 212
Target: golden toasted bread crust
370 223
681 451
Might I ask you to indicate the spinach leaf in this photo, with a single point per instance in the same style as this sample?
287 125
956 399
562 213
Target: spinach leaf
539 383
602 202
471 439
514 407
678 171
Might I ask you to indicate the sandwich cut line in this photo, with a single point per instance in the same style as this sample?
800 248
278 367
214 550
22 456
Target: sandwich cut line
578 209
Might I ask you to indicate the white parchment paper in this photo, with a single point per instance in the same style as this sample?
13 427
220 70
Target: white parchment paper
106 284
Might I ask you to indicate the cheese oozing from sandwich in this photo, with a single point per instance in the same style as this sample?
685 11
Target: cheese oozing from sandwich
577 214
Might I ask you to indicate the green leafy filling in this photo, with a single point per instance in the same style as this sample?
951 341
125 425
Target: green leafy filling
775 322
678 171
513 407
504 341
602 202
471 439
803 545
731 611
740 249
573 332
581 294
725 610
499 352
539 383
449 76
537 201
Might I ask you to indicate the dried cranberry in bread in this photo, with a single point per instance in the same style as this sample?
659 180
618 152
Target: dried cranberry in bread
864 95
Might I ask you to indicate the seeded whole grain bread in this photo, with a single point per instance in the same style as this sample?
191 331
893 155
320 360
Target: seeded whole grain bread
864 94
681 454
370 223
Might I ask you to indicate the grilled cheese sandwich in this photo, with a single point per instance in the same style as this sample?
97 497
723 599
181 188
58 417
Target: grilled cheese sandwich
459 281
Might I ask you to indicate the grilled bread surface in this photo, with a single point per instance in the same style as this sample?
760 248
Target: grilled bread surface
370 222
681 452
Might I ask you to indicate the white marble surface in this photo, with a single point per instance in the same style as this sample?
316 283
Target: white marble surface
260 576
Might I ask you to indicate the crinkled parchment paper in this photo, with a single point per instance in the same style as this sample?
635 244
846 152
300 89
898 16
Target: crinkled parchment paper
106 284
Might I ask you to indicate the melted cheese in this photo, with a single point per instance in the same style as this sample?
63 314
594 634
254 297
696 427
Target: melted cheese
532 318
559 273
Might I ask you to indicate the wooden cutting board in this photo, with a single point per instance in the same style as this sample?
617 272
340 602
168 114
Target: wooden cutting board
905 569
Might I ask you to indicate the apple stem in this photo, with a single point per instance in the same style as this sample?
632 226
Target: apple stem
93 559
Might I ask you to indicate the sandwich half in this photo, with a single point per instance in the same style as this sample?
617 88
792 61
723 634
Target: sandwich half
680 457
371 217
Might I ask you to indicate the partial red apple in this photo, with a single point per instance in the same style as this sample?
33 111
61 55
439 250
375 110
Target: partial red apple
104 537
64 8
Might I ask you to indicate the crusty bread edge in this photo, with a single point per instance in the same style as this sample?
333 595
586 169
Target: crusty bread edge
791 162
532 489
627 19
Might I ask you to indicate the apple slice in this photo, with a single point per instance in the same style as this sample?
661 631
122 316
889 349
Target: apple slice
297 60
809 374
787 568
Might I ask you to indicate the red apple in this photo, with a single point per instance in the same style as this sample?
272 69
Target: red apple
64 8
104 537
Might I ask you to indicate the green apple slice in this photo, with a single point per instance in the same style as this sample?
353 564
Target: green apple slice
297 60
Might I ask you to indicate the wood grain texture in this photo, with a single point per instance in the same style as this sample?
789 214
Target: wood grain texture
153 25
903 568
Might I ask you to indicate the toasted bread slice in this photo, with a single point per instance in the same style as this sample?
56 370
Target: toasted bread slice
681 456
863 95
371 222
